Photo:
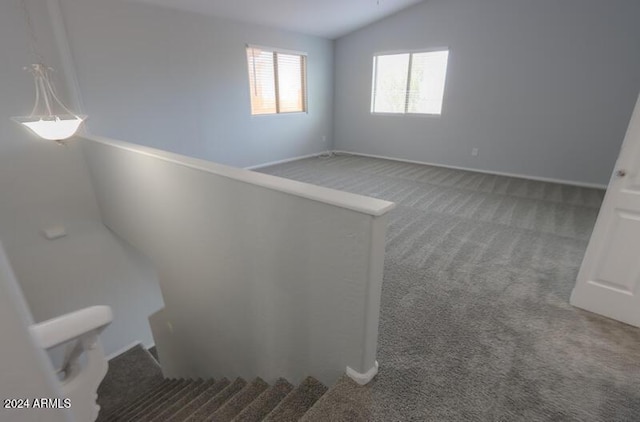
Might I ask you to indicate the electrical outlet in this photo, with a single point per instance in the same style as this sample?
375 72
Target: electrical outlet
474 152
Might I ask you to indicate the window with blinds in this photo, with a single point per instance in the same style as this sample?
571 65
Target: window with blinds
277 80
409 83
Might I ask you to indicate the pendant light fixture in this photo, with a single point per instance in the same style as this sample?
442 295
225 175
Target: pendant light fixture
50 118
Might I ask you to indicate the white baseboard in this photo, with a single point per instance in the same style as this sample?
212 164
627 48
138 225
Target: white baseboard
363 379
273 163
123 350
497 173
127 348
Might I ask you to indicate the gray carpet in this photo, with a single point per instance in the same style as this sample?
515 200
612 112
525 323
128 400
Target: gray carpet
298 402
129 375
475 319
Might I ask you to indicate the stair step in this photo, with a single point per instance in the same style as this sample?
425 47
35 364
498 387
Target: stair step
159 392
151 407
265 402
174 407
167 392
345 401
242 399
297 402
150 414
197 402
152 391
134 372
216 402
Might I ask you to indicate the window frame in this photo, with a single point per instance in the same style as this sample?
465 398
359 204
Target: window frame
411 52
304 78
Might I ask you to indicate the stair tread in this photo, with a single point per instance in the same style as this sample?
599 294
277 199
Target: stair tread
117 415
202 413
134 372
297 402
344 401
152 391
128 415
152 405
169 401
239 401
265 402
174 406
197 402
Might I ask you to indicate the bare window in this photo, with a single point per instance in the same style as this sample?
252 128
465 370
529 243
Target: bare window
409 83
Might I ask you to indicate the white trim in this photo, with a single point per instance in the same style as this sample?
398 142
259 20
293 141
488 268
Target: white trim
358 203
418 115
287 160
363 379
286 113
411 51
497 173
124 350
277 50
155 360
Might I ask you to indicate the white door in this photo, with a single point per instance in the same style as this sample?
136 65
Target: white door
609 279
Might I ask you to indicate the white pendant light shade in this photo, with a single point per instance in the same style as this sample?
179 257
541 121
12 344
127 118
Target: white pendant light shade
54 128
49 119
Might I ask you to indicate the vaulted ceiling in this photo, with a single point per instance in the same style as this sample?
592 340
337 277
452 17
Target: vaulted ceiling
325 18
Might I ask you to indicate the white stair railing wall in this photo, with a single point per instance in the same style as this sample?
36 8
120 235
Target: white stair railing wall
28 380
261 276
80 380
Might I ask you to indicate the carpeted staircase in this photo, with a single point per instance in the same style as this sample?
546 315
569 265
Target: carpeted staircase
174 400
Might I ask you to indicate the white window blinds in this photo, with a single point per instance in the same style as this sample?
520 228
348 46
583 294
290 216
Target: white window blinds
277 80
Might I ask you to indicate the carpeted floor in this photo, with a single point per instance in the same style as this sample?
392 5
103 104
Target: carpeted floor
475 319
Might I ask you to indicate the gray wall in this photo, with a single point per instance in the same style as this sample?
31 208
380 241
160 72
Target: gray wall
542 88
178 81
43 184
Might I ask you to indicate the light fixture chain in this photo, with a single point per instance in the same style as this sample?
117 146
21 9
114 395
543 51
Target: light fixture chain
53 93
33 38
35 106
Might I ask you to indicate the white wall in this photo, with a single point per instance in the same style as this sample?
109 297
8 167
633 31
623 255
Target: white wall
178 81
542 88
261 276
26 373
43 184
